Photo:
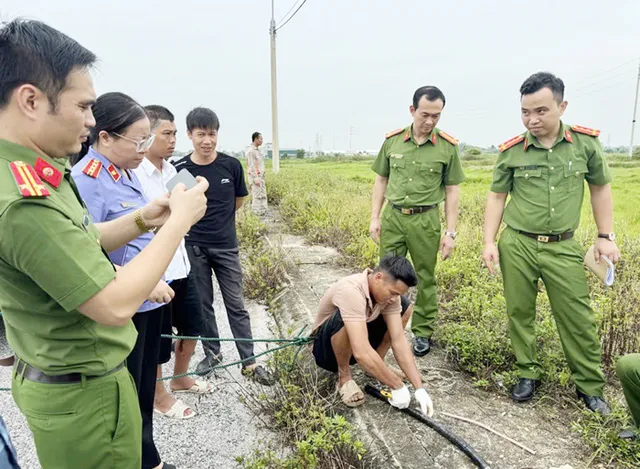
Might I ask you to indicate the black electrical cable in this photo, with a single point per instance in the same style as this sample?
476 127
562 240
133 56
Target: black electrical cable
438 427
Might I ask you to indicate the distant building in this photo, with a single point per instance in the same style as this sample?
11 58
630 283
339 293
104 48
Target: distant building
284 152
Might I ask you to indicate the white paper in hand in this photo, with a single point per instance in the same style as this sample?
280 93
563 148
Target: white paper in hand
611 271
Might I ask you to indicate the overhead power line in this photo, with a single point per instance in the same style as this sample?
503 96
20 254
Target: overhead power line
607 71
292 16
290 10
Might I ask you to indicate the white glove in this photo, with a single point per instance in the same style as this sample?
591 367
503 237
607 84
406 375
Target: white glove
426 404
400 398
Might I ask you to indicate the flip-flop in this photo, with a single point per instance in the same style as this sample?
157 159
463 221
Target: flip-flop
177 411
347 393
200 387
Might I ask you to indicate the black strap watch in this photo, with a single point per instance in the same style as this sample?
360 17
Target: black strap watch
609 236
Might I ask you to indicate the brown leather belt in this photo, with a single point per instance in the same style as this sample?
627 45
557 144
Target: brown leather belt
34 374
548 238
412 210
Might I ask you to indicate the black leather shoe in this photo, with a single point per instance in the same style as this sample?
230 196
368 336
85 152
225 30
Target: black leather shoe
525 389
421 346
204 368
260 375
595 404
628 434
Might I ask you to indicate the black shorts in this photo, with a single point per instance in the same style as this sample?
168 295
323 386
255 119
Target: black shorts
184 313
322 350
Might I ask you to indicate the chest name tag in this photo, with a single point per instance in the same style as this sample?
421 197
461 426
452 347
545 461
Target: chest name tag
129 204
395 155
528 168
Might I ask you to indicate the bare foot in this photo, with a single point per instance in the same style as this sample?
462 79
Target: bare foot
180 384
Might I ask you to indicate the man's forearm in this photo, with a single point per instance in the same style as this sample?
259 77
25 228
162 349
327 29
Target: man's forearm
602 205
239 202
116 233
371 362
135 281
451 204
377 199
493 215
404 357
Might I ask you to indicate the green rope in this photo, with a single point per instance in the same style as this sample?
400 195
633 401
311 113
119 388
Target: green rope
298 341
216 339
301 342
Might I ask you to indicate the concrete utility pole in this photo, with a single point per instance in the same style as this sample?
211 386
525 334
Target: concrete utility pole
275 148
635 109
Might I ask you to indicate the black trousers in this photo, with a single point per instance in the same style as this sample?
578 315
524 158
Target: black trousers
142 364
225 263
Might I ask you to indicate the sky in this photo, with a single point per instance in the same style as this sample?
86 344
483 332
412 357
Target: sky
347 69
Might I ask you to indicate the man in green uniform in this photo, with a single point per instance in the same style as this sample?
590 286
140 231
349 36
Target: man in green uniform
67 311
628 370
417 168
544 171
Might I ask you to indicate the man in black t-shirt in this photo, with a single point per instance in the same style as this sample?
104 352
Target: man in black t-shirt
212 243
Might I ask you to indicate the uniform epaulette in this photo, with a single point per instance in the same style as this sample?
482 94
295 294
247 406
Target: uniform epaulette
585 130
395 132
28 181
448 138
511 142
92 168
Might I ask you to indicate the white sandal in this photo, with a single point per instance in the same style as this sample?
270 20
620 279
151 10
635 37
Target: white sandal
200 387
177 411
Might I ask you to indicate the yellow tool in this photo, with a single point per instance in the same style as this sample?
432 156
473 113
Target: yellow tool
386 394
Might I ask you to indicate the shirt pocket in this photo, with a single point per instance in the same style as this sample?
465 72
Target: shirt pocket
397 169
527 182
574 174
430 175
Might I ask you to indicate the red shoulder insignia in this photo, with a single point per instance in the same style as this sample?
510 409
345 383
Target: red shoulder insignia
113 172
395 132
93 168
585 130
511 142
448 138
28 181
49 173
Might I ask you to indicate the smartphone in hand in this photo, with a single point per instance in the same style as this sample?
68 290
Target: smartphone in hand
184 177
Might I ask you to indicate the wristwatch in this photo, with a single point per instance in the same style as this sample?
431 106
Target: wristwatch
453 234
609 236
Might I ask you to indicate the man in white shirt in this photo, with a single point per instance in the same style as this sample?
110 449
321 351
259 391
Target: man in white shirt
255 171
186 313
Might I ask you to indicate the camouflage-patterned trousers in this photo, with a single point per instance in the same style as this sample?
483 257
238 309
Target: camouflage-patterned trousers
258 195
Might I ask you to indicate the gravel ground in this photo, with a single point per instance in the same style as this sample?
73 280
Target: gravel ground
223 429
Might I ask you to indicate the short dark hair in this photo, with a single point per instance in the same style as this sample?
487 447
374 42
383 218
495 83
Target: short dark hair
157 113
34 53
398 268
540 80
432 93
255 136
114 112
202 118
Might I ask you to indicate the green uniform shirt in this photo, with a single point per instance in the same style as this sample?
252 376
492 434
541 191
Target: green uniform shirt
51 262
547 184
418 173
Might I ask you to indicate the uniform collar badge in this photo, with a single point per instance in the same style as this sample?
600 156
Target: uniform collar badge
48 172
113 171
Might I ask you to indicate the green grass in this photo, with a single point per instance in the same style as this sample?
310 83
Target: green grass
329 202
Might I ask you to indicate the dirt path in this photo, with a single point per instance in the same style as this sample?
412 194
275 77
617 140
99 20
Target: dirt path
412 444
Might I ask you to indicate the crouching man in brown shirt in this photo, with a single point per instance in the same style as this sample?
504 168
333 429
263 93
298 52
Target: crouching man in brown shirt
360 317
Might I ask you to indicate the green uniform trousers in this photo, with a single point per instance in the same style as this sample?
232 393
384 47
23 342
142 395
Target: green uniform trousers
418 234
628 370
523 261
94 424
